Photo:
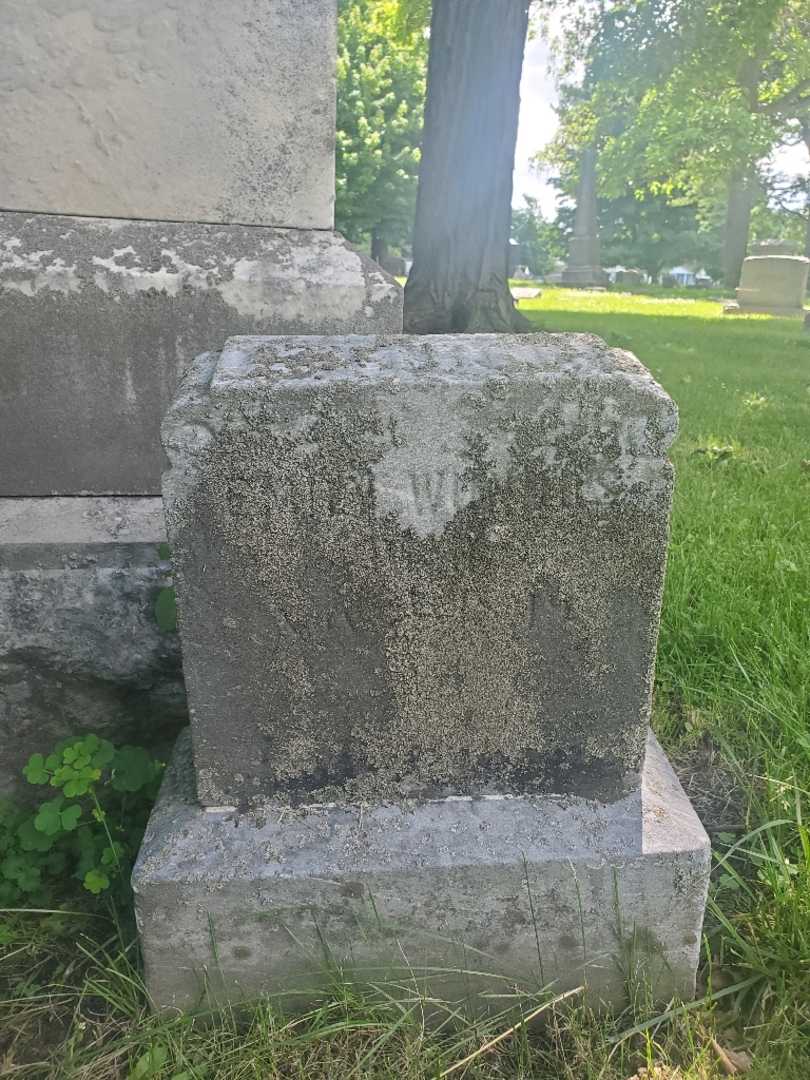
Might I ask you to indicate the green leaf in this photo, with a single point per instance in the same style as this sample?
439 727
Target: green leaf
35 771
21 871
96 881
149 1064
164 552
132 769
70 817
31 839
49 819
166 609
112 856
103 755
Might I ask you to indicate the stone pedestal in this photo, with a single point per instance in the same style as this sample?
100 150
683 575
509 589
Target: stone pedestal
419 583
454 898
772 285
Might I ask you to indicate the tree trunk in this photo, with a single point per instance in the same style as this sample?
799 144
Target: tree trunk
459 279
741 193
379 247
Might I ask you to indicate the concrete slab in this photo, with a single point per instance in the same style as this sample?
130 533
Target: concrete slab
192 111
455 898
98 317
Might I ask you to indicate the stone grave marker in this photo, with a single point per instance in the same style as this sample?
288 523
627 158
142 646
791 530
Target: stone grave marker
771 285
584 266
419 582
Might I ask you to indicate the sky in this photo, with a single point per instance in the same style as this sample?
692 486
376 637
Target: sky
538 122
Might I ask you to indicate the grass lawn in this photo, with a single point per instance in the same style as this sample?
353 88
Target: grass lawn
732 698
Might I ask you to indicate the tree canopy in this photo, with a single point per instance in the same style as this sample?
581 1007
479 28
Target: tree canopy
685 98
681 94
381 89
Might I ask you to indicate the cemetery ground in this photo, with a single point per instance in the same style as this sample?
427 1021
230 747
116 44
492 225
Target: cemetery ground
731 707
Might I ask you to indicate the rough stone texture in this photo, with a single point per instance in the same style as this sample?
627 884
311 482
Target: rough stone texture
99 317
584 266
189 111
528 891
772 285
80 649
418 566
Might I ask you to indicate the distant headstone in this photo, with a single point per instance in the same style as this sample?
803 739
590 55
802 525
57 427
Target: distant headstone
583 268
395 265
629 277
772 285
774 247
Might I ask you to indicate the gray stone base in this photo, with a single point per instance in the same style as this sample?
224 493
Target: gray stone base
733 307
584 277
80 648
456 898
99 317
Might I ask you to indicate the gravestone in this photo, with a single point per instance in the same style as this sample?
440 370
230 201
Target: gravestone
419 582
771 285
774 247
167 180
629 277
584 266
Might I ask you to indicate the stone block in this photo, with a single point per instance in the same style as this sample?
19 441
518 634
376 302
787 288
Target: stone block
413 567
772 285
98 318
192 111
80 649
453 898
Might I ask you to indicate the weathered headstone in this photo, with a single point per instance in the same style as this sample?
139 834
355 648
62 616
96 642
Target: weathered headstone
629 277
584 267
774 247
772 285
167 180
419 582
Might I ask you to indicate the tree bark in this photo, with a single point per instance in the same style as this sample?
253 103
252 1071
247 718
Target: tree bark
379 247
741 194
459 279
806 138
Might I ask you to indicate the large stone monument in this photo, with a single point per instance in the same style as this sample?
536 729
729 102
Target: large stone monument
772 285
419 582
584 267
167 178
